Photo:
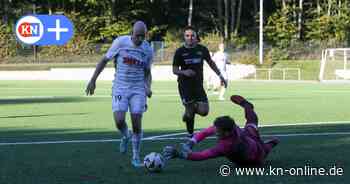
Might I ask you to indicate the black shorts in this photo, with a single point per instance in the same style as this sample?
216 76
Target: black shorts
190 93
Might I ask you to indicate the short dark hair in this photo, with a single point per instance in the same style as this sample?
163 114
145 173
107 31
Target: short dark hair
194 30
190 28
225 123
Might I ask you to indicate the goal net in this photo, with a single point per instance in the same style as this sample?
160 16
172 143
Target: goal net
334 65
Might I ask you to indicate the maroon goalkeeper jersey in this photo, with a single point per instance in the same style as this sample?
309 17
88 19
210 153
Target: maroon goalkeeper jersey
243 147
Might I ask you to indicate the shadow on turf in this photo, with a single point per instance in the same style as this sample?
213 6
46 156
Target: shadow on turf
18 134
53 99
277 157
15 133
44 115
102 163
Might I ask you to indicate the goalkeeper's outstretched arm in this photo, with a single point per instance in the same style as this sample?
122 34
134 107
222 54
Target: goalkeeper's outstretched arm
198 137
206 154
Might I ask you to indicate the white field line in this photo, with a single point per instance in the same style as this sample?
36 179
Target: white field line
267 135
267 125
163 93
307 134
81 96
82 89
166 138
170 136
158 90
304 124
59 142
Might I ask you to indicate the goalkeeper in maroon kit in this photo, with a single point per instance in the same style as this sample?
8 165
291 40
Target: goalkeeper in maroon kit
242 146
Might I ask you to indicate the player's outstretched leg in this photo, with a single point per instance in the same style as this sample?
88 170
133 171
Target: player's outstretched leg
269 144
250 114
241 101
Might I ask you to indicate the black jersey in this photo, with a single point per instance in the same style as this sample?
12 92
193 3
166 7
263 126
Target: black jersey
191 58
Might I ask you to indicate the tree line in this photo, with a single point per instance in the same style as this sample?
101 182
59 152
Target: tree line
286 22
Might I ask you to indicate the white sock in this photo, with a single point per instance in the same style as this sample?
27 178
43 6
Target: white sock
136 145
222 92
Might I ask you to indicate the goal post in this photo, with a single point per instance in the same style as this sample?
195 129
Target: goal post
334 64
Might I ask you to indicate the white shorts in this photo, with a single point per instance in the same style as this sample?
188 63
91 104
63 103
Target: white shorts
122 101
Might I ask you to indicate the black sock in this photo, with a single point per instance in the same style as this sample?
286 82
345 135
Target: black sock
190 125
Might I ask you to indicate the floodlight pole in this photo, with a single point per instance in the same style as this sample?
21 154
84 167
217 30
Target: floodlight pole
261 30
190 10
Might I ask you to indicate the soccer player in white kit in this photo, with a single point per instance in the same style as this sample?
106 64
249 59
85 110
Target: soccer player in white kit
133 58
210 76
221 60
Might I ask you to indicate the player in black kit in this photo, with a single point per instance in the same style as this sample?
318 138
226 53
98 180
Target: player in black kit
188 66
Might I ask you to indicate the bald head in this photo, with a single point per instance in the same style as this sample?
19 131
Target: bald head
139 26
139 31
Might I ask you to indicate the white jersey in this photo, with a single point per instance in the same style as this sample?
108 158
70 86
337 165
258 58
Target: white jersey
221 59
131 62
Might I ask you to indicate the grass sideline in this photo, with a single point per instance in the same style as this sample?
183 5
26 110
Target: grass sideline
59 110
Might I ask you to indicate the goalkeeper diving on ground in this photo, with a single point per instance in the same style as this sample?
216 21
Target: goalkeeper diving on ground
242 146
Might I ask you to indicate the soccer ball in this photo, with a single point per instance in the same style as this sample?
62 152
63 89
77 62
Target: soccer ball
154 162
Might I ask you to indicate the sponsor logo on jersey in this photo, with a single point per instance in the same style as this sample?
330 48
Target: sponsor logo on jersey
193 61
199 53
132 61
185 54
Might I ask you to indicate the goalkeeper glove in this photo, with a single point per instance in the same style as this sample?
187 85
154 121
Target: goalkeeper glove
186 149
189 144
170 152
